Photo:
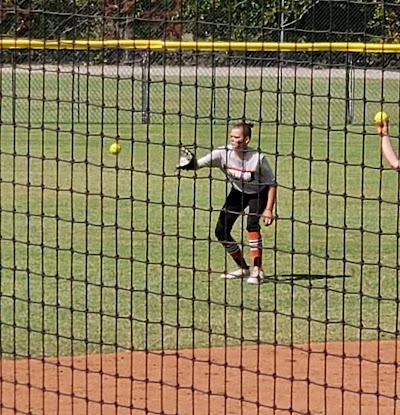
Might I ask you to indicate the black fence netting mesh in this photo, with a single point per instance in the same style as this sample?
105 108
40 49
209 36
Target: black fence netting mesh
265 285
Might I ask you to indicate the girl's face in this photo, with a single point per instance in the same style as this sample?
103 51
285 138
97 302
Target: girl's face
238 141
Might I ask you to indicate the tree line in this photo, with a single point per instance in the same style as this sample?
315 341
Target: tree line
238 20
251 20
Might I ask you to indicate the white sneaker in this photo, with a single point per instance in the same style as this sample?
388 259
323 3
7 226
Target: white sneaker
256 276
237 272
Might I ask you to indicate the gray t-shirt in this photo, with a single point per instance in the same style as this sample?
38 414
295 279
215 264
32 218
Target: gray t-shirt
249 175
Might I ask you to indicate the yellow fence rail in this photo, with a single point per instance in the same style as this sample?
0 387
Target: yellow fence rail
159 45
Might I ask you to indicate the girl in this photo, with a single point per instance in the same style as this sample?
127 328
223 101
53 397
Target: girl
253 186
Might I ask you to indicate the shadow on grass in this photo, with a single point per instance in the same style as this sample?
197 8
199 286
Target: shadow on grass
304 277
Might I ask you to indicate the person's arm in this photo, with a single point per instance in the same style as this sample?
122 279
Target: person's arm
268 178
267 215
188 160
386 146
212 159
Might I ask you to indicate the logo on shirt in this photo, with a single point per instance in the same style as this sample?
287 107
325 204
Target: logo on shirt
239 174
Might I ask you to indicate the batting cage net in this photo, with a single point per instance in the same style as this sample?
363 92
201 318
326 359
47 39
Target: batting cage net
134 280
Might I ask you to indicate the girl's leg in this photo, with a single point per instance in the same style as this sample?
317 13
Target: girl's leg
235 203
257 205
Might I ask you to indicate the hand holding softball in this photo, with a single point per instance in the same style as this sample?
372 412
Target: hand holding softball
383 129
382 123
381 117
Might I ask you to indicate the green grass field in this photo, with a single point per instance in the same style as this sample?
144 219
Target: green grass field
61 98
99 252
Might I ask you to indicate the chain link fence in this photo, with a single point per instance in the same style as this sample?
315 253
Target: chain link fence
156 87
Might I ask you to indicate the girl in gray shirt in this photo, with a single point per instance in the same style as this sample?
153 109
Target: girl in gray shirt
253 186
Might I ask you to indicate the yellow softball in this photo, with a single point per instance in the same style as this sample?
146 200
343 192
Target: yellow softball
381 117
115 148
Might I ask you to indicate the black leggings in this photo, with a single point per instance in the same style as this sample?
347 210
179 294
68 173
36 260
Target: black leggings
236 202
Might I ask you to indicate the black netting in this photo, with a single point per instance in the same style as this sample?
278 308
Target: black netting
111 296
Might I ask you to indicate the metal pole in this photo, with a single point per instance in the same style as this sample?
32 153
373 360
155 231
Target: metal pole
78 100
350 89
213 88
146 88
280 63
14 88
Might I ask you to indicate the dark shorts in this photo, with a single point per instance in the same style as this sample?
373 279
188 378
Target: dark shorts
236 202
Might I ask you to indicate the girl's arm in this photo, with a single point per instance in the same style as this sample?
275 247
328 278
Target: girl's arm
267 214
386 146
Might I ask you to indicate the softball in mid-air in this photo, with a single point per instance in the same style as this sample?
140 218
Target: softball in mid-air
115 148
381 117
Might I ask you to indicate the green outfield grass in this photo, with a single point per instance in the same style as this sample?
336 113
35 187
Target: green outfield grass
37 98
99 252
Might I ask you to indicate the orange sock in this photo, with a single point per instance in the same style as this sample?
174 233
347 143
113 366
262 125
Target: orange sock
255 243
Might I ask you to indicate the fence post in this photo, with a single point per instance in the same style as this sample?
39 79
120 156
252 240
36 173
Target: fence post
350 89
146 87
